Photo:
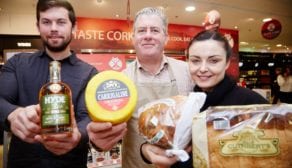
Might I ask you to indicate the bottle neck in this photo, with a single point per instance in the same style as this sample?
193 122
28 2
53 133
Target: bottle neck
55 73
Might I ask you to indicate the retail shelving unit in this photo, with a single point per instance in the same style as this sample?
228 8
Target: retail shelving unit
258 69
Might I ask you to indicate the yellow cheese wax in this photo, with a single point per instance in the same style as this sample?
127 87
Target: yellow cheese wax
110 96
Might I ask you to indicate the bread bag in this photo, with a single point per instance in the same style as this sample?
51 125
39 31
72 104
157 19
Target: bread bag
253 136
168 122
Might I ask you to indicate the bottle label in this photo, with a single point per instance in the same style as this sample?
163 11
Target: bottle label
112 95
55 87
55 110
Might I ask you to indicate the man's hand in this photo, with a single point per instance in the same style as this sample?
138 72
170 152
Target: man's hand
24 122
61 143
105 135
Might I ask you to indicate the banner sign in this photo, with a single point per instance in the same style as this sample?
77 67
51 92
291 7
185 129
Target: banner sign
103 62
95 33
271 29
114 35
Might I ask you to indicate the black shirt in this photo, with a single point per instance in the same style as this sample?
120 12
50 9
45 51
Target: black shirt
225 93
21 78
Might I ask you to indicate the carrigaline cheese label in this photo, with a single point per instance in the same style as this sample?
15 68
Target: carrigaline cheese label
249 142
112 94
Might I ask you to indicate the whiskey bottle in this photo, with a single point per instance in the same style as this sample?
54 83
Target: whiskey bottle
56 103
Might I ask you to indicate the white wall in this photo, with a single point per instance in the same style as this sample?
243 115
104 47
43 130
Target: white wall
18 24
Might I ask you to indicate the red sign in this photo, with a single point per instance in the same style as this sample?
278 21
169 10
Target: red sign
271 29
117 34
105 61
114 35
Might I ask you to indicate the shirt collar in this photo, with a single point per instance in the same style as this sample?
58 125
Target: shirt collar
163 65
72 59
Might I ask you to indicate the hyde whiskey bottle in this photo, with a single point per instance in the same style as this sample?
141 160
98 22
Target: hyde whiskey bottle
56 103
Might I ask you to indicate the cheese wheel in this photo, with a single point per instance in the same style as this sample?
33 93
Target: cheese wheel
110 96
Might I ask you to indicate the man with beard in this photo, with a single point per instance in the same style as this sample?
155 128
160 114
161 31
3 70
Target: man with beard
21 79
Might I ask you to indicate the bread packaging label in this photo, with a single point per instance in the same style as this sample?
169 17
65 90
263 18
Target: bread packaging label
252 136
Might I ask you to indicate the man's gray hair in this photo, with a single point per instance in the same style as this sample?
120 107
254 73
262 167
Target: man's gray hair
152 11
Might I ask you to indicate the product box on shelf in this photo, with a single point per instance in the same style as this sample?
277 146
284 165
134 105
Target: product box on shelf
105 159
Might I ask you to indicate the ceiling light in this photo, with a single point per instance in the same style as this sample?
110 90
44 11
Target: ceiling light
279 45
235 27
267 19
117 15
190 8
240 64
23 44
243 43
250 19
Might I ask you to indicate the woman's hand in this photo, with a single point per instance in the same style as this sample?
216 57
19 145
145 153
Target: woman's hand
157 156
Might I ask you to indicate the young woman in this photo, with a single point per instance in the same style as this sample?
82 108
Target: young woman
209 56
285 82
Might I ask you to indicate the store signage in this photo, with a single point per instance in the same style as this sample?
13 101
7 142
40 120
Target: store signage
105 61
271 29
94 33
23 44
116 35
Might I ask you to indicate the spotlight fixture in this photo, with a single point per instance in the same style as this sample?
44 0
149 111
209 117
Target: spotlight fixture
267 19
190 8
240 64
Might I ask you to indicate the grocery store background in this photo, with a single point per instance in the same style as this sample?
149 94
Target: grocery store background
257 57
18 17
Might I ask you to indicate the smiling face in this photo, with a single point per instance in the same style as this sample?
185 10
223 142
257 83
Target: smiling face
149 37
55 29
207 63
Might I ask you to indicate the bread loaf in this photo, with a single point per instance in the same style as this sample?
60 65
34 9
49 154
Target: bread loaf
157 120
253 136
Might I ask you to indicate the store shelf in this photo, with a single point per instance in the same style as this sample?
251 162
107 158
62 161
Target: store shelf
258 69
105 159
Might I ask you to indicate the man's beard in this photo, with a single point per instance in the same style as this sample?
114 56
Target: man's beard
59 48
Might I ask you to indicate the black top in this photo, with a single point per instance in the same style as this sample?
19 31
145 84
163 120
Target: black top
21 79
225 93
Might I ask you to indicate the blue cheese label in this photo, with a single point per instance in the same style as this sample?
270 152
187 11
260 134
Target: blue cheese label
112 95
